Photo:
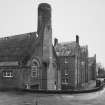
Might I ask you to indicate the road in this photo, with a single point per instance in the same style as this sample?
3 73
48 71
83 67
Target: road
18 98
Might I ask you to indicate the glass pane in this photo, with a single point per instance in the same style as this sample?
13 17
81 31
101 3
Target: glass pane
8 73
4 73
34 73
35 69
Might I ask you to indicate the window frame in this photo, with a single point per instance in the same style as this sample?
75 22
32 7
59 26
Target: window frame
35 68
65 81
7 74
66 72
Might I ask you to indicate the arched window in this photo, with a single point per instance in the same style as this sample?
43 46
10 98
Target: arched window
35 68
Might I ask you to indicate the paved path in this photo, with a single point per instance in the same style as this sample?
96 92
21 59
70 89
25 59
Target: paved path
95 98
91 84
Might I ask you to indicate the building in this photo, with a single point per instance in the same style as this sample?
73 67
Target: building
84 65
69 63
92 68
29 60
77 69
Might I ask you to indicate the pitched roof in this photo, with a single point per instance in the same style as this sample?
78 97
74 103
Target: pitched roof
18 47
84 50
65 48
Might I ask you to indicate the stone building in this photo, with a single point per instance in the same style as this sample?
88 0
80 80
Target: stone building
92 68
69 63
84 65
29 60
74 64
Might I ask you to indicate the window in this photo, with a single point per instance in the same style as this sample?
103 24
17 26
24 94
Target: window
35 69
7 74
54 65
66 66
66 72
66 80
65 61
82 63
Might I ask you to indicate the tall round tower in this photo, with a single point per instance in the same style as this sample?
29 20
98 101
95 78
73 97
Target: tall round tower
44 31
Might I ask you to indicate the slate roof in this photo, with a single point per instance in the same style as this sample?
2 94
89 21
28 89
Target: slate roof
66 48
18 47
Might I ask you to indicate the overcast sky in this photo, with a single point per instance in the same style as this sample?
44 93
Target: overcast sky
85 18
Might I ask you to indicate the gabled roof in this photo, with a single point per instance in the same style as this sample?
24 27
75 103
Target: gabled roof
18 47
84 50
66 48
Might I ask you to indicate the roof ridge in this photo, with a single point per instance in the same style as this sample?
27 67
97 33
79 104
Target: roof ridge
14 36
68 42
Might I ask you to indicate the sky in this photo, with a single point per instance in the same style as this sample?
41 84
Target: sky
85 18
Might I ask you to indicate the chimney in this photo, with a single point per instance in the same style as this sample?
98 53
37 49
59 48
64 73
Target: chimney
55 42
44 17
77 39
